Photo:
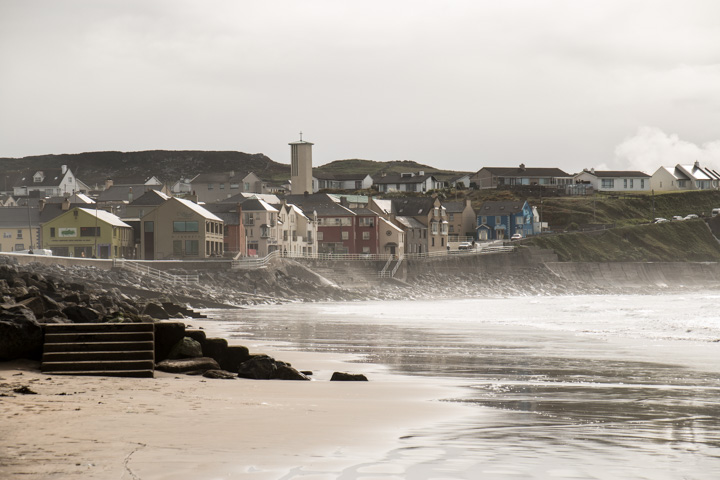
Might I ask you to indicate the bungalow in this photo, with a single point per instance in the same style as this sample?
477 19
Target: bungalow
87 232
493 177
500 220
406 182
342 181
180 229
614 180
685 177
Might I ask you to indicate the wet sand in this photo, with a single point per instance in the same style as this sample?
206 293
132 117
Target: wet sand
189 427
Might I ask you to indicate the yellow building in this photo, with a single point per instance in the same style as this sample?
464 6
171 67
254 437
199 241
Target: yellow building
19 229
85 232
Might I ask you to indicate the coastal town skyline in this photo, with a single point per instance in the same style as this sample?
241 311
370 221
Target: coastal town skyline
612 86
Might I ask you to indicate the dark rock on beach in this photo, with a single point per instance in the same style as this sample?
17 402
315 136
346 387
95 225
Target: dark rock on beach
264 367
348 377
187 365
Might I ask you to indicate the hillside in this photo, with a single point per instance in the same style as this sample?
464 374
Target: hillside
169 166
688 241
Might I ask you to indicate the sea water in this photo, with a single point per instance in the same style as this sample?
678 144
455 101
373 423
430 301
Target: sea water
575 387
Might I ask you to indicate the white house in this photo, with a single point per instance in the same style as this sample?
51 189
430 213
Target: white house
685 177
406 182
51 182
615 180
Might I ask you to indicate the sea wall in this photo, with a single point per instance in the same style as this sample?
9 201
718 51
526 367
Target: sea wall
640 274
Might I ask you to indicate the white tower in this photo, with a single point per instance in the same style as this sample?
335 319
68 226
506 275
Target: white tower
301 167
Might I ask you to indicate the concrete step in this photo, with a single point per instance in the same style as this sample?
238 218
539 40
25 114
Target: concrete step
103 349
88 337
90 366
99 356
99 346
95 327
109 373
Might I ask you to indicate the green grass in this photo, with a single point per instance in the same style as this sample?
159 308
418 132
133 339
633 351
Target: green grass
687 241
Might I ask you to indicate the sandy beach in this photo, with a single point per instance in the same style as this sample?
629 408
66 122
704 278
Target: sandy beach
190 427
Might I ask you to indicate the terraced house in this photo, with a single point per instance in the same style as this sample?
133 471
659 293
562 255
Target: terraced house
501 220
180 229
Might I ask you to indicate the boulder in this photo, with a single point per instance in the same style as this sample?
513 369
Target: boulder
21 336
221 374
167 335
155 311
186 365
186 348
34 304
264 367
80 314
198 335
233 356
348 377
214 347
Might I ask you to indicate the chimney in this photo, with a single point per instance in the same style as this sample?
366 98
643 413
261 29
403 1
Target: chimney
232 173
697 164
63 169
130 195
108 183
592 170
522 167
344 202
65 204
421 173
41 205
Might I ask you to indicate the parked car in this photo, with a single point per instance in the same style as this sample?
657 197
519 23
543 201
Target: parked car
516 236
465 246
660 220
35 251
715 212
691 216
678 218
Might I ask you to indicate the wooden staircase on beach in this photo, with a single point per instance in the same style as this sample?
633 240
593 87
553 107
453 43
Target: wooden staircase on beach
104 349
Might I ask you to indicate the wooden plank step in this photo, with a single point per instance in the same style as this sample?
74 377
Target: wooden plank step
98 327
88 366
109 373
98 337
99 346
98 356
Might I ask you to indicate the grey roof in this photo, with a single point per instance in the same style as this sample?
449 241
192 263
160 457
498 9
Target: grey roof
339 176
255 204
525 172
501 208
617 173
120 193
323 204
413 206
454 207
218 177
151 197
410 222
51 177
363 212
20 217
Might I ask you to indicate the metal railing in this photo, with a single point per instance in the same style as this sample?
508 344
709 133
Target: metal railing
255 262
154 272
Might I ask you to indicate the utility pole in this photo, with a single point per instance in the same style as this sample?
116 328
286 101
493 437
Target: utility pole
653 203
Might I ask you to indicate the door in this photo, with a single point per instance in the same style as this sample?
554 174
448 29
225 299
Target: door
149 241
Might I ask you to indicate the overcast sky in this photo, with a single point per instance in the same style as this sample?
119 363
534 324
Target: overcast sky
612 84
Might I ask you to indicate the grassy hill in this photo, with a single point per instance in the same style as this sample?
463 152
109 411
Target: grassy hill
687 241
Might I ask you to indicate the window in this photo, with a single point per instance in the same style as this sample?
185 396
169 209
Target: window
191 247
89 231
498 220
177 248
631 183
483 220
222 186
624 182
19 234
366 235
366 249
52 231
264 231
642 183
452 229
320 236
451 217
149 227
185 226
444 229
285 235
234 186
210 186
246 186
345 236
607 183
434 228
248 219
433 241
436 212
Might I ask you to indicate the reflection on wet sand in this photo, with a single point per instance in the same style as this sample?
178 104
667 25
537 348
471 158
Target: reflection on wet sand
552 402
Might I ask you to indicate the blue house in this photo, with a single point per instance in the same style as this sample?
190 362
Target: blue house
499 220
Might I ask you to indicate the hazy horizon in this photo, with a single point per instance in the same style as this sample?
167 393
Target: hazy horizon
458 86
